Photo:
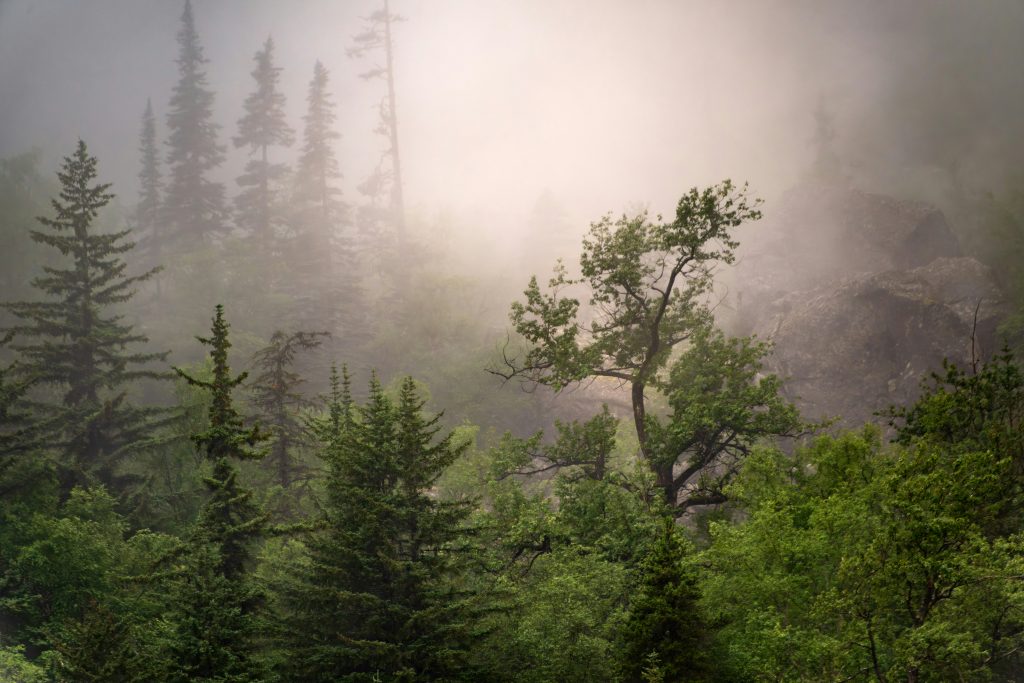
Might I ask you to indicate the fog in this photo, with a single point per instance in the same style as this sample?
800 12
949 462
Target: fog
603 104
514 117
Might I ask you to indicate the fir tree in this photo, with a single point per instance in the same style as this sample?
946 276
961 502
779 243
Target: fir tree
326 288
194 204
340 408
377 596
262 127
217 604
278 402
338 423
147 212
663 637
79 345
318 166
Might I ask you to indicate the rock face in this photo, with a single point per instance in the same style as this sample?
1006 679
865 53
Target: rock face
863 296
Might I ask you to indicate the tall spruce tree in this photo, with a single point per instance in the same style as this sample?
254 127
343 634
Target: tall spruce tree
217 603
147 211
262 127
279 403
318 167
376 600
326 285
194 204
77 343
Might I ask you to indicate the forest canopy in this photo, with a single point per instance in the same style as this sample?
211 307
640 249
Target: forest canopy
265 418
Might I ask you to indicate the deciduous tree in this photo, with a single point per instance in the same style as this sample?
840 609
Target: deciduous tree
648 284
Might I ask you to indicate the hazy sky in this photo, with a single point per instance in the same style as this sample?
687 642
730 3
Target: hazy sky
605 103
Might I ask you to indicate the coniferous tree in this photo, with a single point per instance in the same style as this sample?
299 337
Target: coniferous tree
327 286
331 427
340 409
662 639
217 605
278 403
194 204
78 344
377 597
262 127
147 212
318 166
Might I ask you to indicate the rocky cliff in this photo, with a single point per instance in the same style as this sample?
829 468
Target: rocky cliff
862 295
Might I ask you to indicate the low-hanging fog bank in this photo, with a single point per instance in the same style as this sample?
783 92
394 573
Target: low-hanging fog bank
603 104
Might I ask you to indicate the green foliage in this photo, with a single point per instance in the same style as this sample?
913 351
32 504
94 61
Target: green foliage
982 409
664 636
215 625
226 436
647 278
568 550
124 634
381 593
580 450
855 561
78 343
467 477
722 404
648 284
19 430
15 667
563 627
60 558
216 601
75 586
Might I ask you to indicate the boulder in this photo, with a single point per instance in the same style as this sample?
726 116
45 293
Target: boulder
859 346
863 296
822 234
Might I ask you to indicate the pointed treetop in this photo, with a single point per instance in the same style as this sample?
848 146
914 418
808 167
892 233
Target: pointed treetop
193 207
227 435
190 51
84 202
264 122
74 340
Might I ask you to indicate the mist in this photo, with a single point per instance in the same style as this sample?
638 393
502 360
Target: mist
585 340
604 104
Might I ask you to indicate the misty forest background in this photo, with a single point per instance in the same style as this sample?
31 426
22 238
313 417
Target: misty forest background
389 342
